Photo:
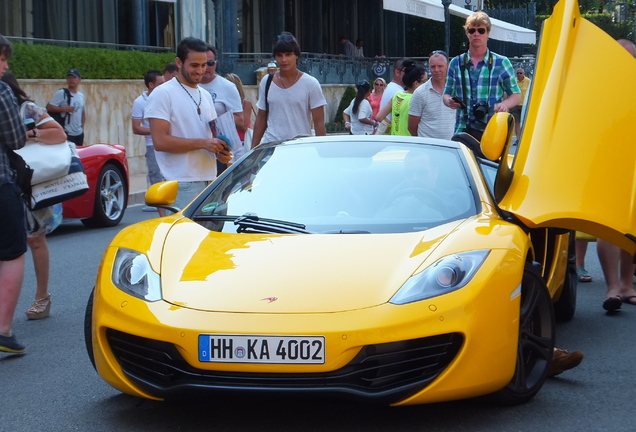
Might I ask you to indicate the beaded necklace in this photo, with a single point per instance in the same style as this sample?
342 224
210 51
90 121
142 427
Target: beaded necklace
197 104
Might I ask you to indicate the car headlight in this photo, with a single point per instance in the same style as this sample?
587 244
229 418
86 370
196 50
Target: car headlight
133 275
448 274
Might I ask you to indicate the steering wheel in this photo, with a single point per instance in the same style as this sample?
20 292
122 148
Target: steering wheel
426 196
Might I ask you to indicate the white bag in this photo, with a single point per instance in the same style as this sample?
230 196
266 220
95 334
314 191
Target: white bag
48 161
71 184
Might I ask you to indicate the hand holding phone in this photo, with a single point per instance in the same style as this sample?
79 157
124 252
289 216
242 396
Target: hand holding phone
459 101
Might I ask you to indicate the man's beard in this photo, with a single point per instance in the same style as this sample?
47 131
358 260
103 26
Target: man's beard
188 77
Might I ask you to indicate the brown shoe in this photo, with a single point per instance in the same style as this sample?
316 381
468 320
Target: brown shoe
563 360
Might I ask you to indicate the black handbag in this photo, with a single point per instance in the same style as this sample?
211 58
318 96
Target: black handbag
24 174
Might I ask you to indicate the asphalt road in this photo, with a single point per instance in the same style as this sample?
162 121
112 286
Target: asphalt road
54 387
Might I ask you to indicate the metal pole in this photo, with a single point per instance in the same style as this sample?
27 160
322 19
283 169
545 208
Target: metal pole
446 4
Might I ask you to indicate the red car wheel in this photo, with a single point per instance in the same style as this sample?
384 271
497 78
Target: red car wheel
110 198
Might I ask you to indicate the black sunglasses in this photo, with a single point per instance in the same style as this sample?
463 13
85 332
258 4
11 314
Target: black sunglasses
438 52
210 63
472 30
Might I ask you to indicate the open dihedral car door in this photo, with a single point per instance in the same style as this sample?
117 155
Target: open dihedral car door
575 165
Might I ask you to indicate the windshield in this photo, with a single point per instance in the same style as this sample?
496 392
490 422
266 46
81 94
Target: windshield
335 187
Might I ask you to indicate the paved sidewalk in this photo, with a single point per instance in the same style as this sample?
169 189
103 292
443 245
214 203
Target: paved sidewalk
137 189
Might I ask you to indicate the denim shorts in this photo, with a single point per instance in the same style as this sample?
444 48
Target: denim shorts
12 223
188 191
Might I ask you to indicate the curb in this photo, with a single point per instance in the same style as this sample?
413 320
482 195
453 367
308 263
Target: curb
135 198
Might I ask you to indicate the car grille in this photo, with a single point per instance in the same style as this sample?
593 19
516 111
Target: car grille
389 371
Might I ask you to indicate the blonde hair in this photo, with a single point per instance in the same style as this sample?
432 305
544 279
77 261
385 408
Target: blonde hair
234 78
477 19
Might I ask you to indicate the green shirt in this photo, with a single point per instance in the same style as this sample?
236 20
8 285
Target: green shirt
400 113
487 82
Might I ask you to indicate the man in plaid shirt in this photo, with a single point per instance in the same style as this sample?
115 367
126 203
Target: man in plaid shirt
12 226
479 79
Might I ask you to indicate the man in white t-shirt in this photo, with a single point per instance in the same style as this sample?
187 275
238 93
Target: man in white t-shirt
179 114
140 126
394 86
73 112
293 101
224 93
428 116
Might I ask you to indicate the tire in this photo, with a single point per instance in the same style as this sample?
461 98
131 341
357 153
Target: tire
565 306
111 198
88 325
536 342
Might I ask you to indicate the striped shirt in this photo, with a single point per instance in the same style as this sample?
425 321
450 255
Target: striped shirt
12 131
436 119
493 76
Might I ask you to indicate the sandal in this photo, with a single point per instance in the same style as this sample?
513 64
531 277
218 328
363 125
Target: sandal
612 303
629 299
583 275
41 308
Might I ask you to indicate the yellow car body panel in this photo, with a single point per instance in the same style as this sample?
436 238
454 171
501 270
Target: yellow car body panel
580 134
490 307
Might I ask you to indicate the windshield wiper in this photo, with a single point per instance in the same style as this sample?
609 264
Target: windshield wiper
251 223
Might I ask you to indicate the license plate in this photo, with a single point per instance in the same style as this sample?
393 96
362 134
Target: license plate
224 348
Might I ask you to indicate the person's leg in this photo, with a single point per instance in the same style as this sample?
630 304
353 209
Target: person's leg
41 307
12 249
608 256
78 140
11 275
626 277
581 250
154 172
40 253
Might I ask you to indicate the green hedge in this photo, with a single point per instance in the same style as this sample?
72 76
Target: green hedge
348 95
48 61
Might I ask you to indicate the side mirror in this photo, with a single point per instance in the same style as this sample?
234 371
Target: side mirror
497 136
163 194
495 144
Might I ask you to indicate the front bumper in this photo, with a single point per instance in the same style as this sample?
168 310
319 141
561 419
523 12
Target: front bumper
459 345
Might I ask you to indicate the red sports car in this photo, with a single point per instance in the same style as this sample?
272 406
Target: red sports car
104 203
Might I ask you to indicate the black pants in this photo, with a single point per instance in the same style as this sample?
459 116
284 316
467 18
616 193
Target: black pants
78 140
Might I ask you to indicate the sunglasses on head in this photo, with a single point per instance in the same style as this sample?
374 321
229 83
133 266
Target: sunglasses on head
210 63
438 52
472 30
284 38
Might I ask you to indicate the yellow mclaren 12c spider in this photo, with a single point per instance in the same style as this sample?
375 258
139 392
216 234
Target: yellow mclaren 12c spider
396 269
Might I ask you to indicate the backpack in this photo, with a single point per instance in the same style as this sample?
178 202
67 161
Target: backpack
60 117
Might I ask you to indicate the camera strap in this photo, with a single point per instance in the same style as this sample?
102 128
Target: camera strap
464 67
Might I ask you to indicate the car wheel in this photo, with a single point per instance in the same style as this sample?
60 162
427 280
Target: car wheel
565 306
536 341
111 198
88 332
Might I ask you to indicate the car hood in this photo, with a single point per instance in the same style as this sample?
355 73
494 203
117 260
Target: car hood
307 273
576 161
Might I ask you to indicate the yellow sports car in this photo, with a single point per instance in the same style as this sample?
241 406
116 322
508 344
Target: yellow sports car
394 269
